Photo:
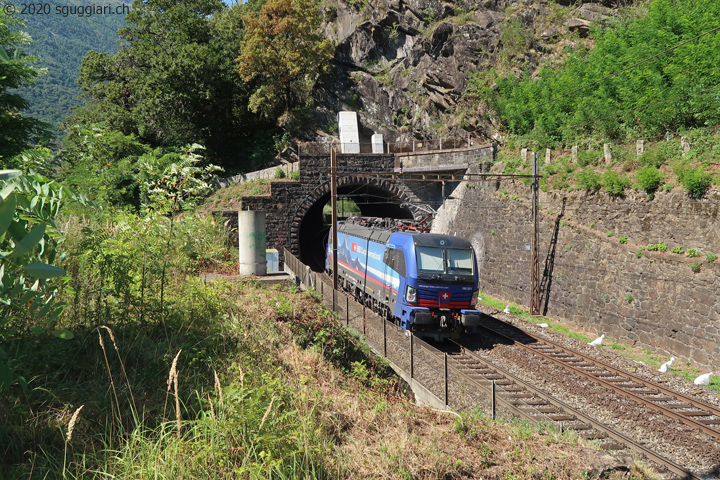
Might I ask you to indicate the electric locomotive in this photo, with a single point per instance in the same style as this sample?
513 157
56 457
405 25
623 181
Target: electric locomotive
426 283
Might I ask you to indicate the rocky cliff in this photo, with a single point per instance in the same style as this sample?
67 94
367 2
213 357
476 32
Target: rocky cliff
404 66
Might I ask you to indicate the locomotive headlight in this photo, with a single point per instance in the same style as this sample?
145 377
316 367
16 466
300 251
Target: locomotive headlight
473 300
411 295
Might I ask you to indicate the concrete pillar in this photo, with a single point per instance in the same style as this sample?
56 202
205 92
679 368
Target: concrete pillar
608 154
251 242
548 156
523 154
685 145
574 153
640 147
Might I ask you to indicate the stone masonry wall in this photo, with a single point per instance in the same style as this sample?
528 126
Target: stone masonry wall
595 282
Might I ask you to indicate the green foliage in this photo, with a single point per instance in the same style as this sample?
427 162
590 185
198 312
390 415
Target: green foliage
695 181
710 257
117 170
279 173
633 102
639 253
29 240
294 175
629 297
679 250
650 178
691 252
59 44
589 180
695 267
615 183
190 90
657 247
17 132
623 239
283 53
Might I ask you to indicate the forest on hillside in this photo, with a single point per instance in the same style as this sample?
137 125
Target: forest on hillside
59 42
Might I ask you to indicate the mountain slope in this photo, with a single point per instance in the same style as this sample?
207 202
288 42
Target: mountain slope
59 43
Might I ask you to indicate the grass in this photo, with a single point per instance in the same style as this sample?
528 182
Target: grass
254 382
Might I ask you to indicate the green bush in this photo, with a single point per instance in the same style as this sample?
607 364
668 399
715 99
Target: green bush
294 175
695 181
658 247
588 157
691 252
679 250
615 183
710 257
650 178
589 179
695 267
639 253
623 239
279 172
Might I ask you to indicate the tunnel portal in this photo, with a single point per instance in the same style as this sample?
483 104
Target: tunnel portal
314 227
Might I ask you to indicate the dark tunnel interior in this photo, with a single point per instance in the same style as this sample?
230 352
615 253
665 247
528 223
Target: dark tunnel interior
373 202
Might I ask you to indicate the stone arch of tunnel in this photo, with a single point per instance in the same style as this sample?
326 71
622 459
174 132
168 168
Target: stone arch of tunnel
309 232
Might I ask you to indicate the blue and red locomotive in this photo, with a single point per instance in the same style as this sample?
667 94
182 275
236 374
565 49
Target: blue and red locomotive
426 283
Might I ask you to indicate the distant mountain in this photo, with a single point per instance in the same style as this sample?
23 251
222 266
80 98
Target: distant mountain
59 43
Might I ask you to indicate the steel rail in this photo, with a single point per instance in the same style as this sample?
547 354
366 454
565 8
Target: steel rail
613 385
673 467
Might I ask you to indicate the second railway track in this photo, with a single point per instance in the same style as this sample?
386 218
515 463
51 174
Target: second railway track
696 414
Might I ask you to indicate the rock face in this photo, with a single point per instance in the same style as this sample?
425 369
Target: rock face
405 65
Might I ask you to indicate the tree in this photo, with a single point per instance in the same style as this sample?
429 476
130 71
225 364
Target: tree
283 53
174 81
17 132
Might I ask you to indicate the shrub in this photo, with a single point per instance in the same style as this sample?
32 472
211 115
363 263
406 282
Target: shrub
279 172
610 233
695 181
691 252
710 257
629 297
294 175
650 179
639 253
679 250
658 247
588 157
623 239
695 267
615 183
589 179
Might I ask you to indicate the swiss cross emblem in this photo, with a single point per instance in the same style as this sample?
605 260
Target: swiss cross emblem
354 247
445 296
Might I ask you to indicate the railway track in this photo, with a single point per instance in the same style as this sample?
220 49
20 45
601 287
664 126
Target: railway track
532 403
693 413
523 399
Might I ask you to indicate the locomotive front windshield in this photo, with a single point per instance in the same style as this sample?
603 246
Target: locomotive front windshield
450 261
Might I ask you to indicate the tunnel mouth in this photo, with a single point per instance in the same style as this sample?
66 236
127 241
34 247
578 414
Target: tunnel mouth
373 201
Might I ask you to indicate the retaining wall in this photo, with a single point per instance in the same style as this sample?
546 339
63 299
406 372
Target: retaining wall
589 278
